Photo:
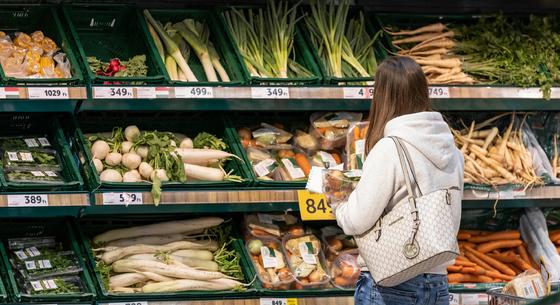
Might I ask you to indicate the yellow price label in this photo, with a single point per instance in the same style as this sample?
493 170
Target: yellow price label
314 206
278 301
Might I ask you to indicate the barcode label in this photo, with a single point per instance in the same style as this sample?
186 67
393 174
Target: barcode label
33 251
44 142
31 143
51 174
36 285
13 156
30 265
37 174
21 255
26 156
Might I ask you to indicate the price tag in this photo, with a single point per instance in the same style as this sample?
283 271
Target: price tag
358 92
34 200
454 299
46 93
112 92
314 206
128 303
146 92
474 299
194 92
2 93
278 301
124 198
438 92
270 92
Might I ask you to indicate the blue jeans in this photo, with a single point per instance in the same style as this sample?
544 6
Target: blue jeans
425 289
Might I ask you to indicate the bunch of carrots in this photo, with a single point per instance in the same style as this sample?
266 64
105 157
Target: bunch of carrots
432 48
496 158
555 238
489 257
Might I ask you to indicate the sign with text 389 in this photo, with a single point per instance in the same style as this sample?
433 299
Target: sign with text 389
270 92
314 206
28 200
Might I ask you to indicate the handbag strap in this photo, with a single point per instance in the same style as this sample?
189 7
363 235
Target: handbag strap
404 158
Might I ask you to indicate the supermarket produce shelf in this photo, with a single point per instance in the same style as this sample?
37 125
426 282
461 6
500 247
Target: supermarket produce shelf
338 300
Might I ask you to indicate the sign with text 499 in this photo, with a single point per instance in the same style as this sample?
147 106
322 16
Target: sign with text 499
314 206
28 200
194 92
357 92
124 198
270 92
277 301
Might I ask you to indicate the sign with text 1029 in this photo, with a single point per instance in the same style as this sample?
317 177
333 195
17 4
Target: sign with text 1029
314 206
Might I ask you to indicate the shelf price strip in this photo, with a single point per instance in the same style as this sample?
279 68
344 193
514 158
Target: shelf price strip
270 92
314 206
277 301
124 198
28 200
113 92
48 93
357 92
194 92
127 303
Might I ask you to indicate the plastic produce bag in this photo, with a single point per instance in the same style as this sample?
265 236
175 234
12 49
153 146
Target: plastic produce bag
338 185
356 145
331 128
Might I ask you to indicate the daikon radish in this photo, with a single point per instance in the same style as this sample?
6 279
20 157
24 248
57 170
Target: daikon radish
187 285
174 271
193 262
201 156
114 255
126 279
155 240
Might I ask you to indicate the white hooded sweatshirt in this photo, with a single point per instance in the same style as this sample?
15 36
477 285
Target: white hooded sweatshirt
437 162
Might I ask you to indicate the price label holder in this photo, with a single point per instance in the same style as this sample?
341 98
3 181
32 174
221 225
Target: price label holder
438 92
474 299
357 92
454 299
194 92
113 92
2 93
124 198
270 92
47 93
278 301
28 200
146 92
313 206
128 303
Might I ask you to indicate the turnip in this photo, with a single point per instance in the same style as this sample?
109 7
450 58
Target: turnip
145 170
126 146
142 151
161 174
131 160
131 133
132 176
113 159
202 156
98 165
100 149
186 143
110 175
161 228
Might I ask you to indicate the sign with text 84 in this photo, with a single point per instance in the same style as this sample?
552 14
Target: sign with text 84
314 206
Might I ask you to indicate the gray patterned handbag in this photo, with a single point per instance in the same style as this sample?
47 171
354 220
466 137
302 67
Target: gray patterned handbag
412 238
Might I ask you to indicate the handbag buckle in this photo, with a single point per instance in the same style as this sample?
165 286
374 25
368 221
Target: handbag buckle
377 229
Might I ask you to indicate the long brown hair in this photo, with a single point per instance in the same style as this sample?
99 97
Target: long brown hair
400 88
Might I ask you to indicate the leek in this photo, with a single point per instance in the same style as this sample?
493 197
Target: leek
200 49
171 66
157 42
171 46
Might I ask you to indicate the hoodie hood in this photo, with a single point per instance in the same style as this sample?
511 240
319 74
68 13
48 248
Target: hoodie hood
428 133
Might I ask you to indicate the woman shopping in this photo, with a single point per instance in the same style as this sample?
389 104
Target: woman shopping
405 225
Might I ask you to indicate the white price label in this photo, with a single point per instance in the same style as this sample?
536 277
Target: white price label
277 301
113 92
46 93
128 303
194 92
146 92
122 198
31 142
454 299
2 93
307 253
44 142
270 92
438 92
32 200
474 299
358 92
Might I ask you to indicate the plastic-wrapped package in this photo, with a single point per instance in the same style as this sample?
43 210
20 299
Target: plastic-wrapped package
55 285
26 159
356 145
269 262
306 261
271 225
48 265
338 185
331 128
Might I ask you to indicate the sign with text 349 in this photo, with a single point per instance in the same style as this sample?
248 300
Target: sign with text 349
314 206
270 92
124 198
113 92
28 200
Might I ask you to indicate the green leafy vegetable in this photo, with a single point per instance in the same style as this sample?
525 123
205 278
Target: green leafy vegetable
206 140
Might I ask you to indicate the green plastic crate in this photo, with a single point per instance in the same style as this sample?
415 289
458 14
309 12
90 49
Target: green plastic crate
111 31
304 57
43 18
228 56
89 227
17 125
379 50
189 124
62 230
250 119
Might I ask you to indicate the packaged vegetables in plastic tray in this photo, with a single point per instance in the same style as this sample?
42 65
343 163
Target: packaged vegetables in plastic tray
306 261
338 185
270 263
263 225
28 142
331 128
33 176
336 242
356 145
27 159
345 270
54 285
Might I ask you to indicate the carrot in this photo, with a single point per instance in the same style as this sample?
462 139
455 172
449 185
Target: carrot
461 258
463 236
522 251
285 153
303 163
496 236
498 244
554 235
473 270
479 262
435 27
356 132
502 257
336 157
490 261
521 264
514 268
453 268
468 278
498 275
464 243
464 264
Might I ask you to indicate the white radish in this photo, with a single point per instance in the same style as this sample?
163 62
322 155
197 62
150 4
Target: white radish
114 255
110 175
100 149
131 133
175 271
156 277
145 170
98 165
172 143
154 240
161 174
192 262
186 143
132 176
203 173
131 160
191 285
142 151
113 159
193 253
126 146
126 279
126 290
200 156
161 228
